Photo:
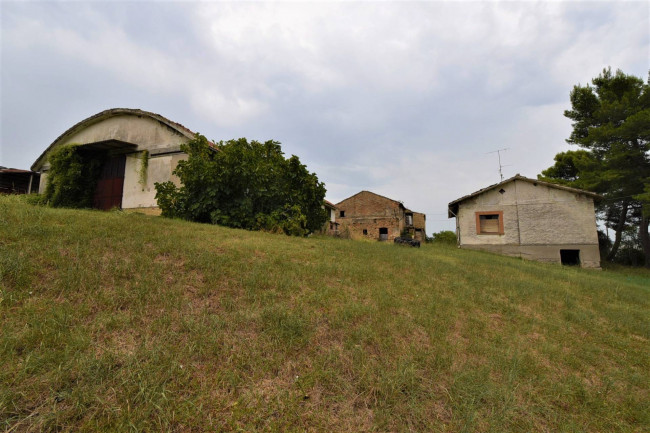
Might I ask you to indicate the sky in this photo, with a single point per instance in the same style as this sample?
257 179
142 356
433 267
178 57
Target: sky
406 99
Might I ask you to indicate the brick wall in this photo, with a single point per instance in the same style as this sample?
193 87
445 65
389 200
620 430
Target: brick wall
370 212
419 221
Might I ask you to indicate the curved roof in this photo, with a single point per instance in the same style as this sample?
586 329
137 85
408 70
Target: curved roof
112 112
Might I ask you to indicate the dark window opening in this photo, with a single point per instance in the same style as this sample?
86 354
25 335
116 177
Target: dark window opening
383 234
570 257
342 214
365 231
502 191
409 219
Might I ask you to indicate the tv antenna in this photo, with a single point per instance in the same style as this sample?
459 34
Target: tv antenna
498 152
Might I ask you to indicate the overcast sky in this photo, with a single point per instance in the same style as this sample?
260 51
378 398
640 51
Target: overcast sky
404 99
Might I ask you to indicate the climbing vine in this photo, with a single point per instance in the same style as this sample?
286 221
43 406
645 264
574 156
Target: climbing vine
144 166
72 177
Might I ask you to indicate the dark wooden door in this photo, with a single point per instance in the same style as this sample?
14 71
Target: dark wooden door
108 193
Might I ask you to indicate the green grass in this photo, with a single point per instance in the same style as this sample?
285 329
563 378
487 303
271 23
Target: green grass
122 322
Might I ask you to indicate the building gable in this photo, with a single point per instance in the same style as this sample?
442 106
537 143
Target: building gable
143 147
369 204
453 206
529 219
123 128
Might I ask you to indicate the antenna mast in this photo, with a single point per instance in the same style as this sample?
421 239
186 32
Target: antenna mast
498 152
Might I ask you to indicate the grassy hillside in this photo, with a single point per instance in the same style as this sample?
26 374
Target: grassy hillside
123 322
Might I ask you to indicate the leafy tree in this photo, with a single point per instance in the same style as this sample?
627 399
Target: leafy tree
445 237
573 168
611 123
241 184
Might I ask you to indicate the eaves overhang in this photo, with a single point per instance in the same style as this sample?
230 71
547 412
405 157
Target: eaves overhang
452 207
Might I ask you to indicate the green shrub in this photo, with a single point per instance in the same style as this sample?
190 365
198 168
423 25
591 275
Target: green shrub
241 184
445 237
34 199
72 177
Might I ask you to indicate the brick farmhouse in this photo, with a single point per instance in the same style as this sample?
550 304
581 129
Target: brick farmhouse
372 216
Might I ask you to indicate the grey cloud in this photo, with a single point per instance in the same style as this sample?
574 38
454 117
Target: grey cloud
402 98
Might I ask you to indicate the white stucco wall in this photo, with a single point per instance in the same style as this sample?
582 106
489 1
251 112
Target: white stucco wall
42 183
488 202
146 133
538 221
160 168
551 215
532 215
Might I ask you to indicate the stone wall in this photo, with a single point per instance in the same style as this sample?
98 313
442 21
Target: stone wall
419 221
355 227
370 212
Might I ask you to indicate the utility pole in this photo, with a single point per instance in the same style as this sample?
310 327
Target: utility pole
498 152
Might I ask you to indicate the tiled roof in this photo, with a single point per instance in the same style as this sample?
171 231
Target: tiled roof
370 192
454 204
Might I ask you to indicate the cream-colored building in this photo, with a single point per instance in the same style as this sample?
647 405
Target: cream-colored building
126 137
530 219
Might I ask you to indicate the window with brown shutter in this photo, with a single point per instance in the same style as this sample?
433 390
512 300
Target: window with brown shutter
489 223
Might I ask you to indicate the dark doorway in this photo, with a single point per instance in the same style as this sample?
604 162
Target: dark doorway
570 257
383 234
108 193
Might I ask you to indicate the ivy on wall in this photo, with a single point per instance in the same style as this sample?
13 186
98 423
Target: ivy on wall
144 166
73 175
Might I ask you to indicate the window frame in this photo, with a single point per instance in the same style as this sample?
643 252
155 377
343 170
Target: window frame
498 213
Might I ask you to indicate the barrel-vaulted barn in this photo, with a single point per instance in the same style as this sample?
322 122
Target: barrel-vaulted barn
127 137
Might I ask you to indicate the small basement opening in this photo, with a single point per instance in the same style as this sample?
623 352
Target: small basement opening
570 257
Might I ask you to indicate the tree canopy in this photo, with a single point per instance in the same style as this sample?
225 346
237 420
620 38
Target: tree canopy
241 184
611 125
